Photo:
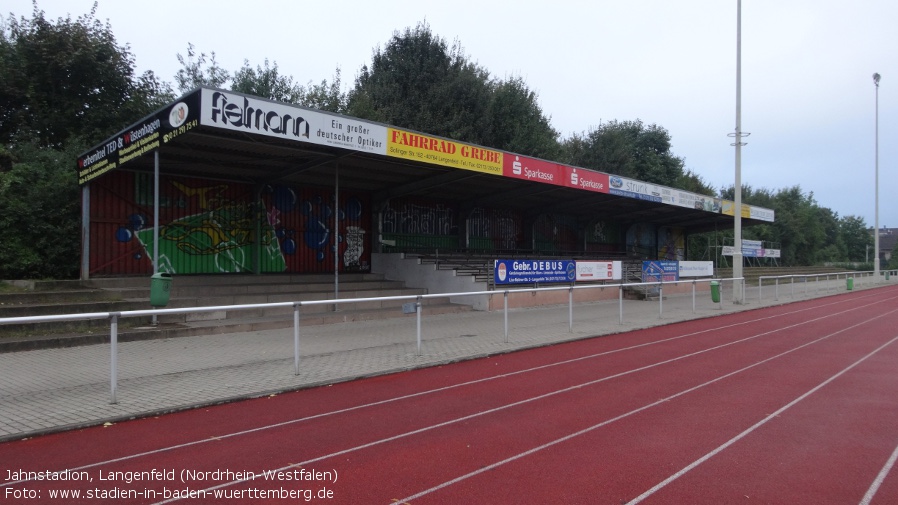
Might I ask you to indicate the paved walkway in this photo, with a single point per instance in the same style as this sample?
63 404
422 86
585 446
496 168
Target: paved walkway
48 390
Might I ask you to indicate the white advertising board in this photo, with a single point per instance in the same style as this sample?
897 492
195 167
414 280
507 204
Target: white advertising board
696 268
234 111
598 270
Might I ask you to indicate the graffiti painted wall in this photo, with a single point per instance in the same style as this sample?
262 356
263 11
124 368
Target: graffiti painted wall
412 223
642 240
603 236
671 244
556 233
494 229
222 227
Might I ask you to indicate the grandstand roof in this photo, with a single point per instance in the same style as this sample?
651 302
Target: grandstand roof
218 134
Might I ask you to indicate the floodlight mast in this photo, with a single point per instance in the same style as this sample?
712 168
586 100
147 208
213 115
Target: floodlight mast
738 289
876 265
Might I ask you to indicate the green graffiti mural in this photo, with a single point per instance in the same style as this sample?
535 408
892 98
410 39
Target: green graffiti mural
220 240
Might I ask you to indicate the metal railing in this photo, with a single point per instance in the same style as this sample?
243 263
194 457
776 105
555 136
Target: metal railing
804 278
297 305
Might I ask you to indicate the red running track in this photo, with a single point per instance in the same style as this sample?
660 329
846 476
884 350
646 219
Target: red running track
794 404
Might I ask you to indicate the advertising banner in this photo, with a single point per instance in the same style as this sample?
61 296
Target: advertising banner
586 179
522 167
748 252
438 151
696 269
533 271
660 271
690 200
761 213
598 270
233 111
631 188
748 211
728 207
141 138
751 244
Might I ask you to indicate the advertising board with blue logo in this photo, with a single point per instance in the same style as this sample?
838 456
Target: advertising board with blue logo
660 271
534 271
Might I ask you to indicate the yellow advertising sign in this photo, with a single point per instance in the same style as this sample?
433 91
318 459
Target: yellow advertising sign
417 147
727 207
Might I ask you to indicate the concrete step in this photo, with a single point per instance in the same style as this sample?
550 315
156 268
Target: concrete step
131 293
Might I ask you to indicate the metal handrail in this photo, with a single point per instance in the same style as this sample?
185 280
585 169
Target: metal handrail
297 305
792 277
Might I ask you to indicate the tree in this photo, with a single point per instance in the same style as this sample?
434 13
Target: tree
514 121
269 83
626 148
690 181
69 79
197 72
63 86
418 82
856 237
40 215
325 96
833 248
266 83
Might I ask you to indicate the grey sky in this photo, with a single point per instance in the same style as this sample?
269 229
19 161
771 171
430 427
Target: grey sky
807 66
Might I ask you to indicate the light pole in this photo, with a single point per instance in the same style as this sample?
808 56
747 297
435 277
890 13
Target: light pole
876 184
738 135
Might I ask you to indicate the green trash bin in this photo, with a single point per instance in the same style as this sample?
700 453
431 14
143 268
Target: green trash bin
715 291
160 287
850 283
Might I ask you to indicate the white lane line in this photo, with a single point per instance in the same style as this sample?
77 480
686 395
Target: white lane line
757 425
540 397
622 416
877 482
453 386
215 438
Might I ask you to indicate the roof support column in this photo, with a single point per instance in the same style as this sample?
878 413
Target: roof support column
85 232
336 232
155 212
259 216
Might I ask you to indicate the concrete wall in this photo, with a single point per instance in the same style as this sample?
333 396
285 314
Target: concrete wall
394 266
596 294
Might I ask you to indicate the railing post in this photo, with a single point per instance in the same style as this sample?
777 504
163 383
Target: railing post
296 306
620 302
660 300
113 361
570 310
693 296
505 312
776 290
418 316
